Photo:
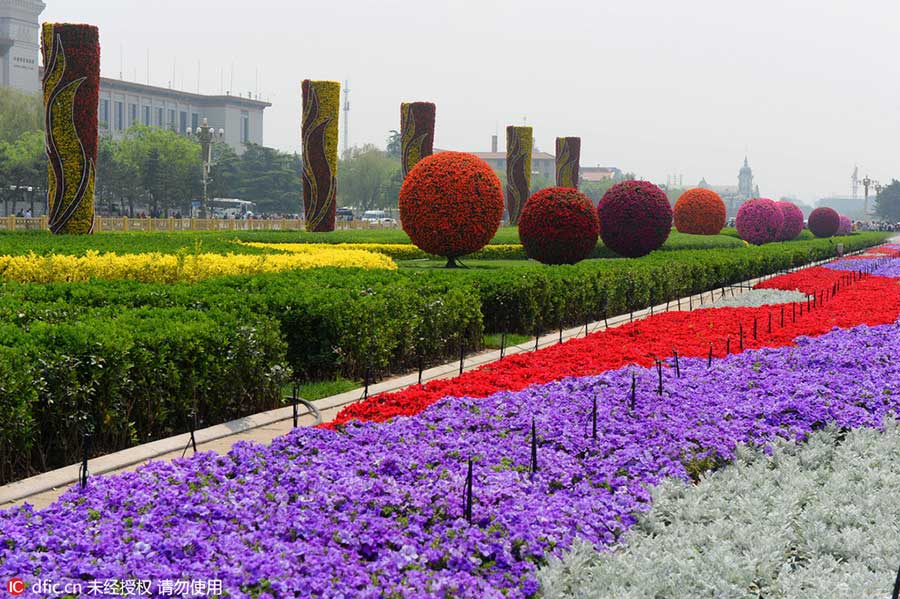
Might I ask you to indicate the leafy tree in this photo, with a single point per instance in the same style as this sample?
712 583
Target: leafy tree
19 113
368 179
393 144
887 203
168 167
117 180
267 176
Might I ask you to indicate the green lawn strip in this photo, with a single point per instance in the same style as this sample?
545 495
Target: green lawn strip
493 340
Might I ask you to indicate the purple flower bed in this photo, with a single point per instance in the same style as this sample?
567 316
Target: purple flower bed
884 267
378 511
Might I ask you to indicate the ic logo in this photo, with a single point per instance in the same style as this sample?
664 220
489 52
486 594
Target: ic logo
16 586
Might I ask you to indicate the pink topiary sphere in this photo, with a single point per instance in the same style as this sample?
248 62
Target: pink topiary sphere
846 226
759 221
635 218
793 221
824 222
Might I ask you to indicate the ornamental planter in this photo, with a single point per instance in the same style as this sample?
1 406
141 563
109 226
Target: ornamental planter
416 133
321 103
699 212
568 155
71 86
519 141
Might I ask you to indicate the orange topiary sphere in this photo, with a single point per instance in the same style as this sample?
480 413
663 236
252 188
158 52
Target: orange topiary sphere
699 212
451 204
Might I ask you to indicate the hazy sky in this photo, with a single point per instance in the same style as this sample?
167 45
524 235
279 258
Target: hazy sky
807 89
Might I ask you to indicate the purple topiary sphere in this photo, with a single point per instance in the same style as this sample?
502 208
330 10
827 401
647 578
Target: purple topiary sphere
759 221
635 218
824 222
793 221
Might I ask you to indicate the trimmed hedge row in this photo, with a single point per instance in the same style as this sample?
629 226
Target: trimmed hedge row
128 377
232 342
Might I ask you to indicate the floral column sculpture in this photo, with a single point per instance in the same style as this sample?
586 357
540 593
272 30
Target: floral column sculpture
518 170
321 103
71 55
416 133
568 155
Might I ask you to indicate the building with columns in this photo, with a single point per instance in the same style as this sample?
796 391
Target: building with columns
19 35
126 103
734 196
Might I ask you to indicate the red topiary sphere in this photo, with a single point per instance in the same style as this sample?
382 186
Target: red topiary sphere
635 218
759 221
793 221
558 225
451 204
699 212
824 222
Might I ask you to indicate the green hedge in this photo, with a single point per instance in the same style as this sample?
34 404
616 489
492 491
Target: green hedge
129 378
232 342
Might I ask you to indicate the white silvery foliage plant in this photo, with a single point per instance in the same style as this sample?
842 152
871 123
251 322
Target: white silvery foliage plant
818 519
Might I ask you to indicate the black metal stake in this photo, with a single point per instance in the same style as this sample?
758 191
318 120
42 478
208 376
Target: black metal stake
741 336
782 315
727 345
896 593
421 364
560 333
462 356
192 421
594 418
534 463
294 394
633 389
366 383
677 365
468 493
754 327
86 442
537 336
659 369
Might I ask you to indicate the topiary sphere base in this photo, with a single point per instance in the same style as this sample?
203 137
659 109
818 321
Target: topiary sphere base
635 218
759 221
699 212
824 222
451 204
558 225
846 226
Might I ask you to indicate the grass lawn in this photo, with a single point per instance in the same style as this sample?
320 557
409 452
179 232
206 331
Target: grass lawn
493 341
313 390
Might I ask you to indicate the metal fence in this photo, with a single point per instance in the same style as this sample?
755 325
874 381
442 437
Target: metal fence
103 224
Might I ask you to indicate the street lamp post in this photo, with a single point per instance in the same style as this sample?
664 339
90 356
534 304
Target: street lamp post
206 135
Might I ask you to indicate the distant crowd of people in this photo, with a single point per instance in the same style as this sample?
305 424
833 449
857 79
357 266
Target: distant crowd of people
872 225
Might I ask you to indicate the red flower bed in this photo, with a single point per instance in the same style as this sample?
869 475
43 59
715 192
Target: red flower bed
872 301
811 281
699 212
451 204
558 225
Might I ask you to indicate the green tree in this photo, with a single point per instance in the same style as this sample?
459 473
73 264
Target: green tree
19 113
368 179
168 167
887 203
393 144
117 181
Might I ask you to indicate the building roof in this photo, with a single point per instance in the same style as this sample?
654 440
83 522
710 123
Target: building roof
140 88
198 99
595 175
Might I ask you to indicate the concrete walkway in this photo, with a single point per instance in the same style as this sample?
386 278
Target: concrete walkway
43 489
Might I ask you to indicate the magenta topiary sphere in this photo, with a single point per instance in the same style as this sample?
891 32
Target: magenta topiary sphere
824 222
793 221
846 226
759 221
635 218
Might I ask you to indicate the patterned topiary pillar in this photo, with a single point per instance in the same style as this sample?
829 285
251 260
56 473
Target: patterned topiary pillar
71 55
416 133
519 141
568 155
321 103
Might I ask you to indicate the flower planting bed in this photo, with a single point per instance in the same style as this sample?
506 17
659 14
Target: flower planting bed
857 299
380 509
837 490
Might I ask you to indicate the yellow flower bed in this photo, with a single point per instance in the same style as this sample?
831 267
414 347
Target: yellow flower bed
398 251
171 268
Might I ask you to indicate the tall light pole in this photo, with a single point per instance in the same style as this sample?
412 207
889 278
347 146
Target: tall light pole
878 188
206 135
867 181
